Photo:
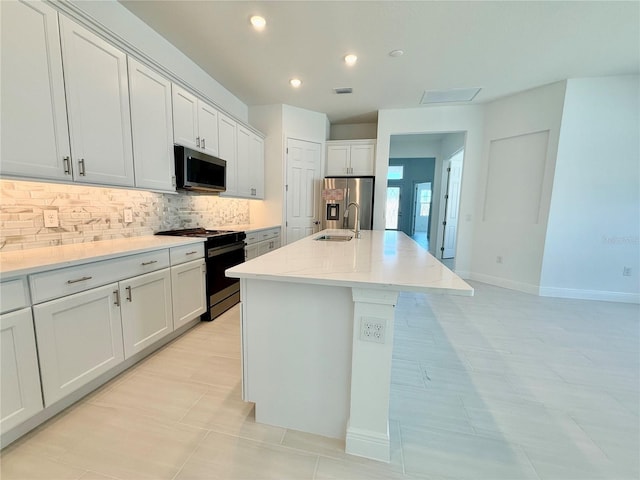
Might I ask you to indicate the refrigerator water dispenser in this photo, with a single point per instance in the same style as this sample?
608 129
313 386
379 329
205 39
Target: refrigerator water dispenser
333 211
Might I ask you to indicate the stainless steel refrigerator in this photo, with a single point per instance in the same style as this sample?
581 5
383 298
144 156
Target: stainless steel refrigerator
337 193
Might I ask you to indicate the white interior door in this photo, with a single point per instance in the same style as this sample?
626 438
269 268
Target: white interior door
302 189
452 205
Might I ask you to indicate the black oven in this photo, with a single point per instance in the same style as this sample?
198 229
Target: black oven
223 292
223 249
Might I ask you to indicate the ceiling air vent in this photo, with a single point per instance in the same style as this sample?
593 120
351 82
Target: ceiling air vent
342 91
452 95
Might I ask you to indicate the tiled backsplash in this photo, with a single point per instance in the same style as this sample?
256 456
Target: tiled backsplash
90 214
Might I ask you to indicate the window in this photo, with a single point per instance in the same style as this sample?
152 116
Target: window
395 172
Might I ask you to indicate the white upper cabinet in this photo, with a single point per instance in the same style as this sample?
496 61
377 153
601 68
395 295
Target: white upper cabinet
152 128
185 118
248 168
35 137
227 150
208 128
350 158
98 104
195 123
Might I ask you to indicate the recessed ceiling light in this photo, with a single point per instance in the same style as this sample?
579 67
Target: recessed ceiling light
258 22
396 53
350 59
295 82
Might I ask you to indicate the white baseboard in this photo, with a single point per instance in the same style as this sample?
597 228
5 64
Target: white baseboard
603 296
368 444
576 293
505 283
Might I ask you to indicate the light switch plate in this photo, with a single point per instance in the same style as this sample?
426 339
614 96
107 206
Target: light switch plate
50 218
128 215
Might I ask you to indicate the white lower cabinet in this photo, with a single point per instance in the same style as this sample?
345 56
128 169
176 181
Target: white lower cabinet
79 338
20 396
145 303
188 284
259 242
84 335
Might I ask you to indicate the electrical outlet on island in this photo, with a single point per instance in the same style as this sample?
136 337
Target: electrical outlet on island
50 218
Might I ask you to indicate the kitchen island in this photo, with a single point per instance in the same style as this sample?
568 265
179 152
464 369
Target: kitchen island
317 331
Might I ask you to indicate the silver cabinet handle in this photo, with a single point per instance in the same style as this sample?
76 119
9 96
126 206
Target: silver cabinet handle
67 165
144 264
82 167
203 144
79 280
191 253
197 141
117 295
128 289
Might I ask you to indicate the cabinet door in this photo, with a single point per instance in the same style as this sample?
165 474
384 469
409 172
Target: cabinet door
35 137
256 174
265 247
152 128
79 338
185 118
188 284
208 128
20 394
243 162
362 159
98 104
251 251
227 151
146 310
337 159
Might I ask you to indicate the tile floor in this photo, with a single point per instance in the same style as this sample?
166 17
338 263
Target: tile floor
503 385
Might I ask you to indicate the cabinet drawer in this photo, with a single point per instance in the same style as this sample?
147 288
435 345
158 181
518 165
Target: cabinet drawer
13 294
66 281
186 253
268 234
252 237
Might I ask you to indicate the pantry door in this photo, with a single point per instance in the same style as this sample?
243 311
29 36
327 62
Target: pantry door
302 189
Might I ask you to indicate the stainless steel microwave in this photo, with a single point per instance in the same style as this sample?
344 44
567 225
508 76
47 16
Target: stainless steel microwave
199 171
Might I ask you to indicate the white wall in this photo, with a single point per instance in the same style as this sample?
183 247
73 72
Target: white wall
268 119
280 122
502 231
435 120
594 223
415 146
125 26
354 131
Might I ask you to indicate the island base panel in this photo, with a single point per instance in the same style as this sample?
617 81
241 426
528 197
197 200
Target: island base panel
297 341
368 431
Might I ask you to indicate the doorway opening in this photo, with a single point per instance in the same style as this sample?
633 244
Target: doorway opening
421 213
436 153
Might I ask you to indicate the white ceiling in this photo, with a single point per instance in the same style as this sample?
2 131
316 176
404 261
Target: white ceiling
503 47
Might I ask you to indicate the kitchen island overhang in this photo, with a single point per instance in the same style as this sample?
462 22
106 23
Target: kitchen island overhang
317 332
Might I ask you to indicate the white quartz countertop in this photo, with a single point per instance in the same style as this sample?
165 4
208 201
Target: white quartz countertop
385 260
23 262
248 227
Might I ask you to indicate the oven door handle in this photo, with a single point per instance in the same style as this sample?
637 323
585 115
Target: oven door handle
214 252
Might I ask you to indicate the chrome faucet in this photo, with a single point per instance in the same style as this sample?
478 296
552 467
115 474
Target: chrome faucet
357 221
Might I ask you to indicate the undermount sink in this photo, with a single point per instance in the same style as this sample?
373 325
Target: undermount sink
334 238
